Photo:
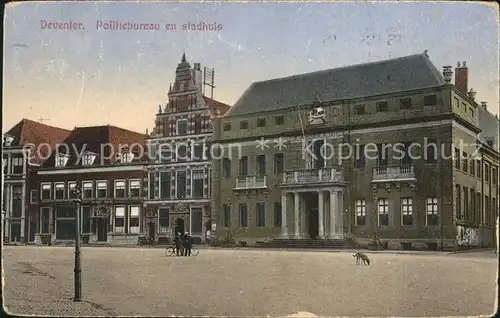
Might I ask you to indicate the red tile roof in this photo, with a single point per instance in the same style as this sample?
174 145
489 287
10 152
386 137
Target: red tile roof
217 108
106 141
31 132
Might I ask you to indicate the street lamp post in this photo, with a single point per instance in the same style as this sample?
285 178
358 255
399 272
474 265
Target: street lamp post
77 199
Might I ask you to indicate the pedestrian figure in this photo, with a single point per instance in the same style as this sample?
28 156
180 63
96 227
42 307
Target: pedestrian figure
178 244
188 244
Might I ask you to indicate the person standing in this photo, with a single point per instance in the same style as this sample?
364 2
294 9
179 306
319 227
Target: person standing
178 244
188 244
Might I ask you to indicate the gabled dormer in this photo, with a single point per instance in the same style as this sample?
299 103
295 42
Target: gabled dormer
88 158
61 160
125 157
8 140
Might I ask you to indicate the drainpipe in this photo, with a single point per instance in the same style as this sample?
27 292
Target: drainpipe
482 201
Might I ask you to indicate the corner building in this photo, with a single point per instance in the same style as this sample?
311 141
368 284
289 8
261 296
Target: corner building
179 166
395 188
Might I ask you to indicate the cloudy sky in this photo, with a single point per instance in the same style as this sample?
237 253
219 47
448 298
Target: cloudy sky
93 76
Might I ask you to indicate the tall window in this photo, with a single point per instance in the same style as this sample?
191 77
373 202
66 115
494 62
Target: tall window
243 169
458 201
227 215
360 212
59 191
17 201
44 220
487 172
71 188
102 189
182 127
181 184
135 188
87 189
277 214
279 160
383 212
33 196
17 165
119 188
431 151
261 165
226 168
465 163
198 152
472 168
197 183
494 177
472 205
181 153
46 191
196 220
165 154
478 169
163 220
261 214
151 190
318 150
360 157
119 219
243 215
457 158
466 203
431 209
86 214
407 157
382 155
197 124
407 211
479 215
165 185
133 219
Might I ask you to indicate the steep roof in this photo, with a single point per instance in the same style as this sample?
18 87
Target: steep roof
490 126
105 141
388 76
216 107
31 132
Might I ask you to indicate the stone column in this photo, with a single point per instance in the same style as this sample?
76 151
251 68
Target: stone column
321 215
340 214
333 211
284 224
296 220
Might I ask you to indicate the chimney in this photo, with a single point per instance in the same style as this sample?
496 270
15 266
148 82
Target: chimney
461 77
485 105
447 73
197 76
472 94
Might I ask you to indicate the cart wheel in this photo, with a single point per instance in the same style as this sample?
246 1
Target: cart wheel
169 251
194 251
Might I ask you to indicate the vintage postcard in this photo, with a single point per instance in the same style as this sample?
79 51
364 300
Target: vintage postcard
264 159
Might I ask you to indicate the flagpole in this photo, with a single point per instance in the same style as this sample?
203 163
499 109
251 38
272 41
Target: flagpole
303 135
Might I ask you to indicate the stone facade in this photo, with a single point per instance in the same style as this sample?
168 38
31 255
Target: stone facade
401 201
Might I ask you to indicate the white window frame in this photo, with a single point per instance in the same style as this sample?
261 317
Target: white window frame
120 229
130 187
360 208
59 185
61 160
198 170
382 202
126 157
177 126
31 196
13 164
45 185
91 189
124 187
100 183
88 159
134 229
431 202
71 186
407 204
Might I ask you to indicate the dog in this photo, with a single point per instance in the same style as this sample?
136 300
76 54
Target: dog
361 256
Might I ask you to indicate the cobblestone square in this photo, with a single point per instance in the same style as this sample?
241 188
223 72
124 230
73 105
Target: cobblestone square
137 281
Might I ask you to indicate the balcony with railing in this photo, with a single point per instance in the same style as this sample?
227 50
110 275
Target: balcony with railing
303 177
394 173
251 182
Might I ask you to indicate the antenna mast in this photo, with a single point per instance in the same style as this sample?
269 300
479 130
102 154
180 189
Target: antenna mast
208 80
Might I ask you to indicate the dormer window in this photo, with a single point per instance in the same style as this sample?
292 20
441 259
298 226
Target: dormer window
182 127
61 160
8 140
125 157
88 159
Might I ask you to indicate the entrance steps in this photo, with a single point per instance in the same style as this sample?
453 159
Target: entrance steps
309 243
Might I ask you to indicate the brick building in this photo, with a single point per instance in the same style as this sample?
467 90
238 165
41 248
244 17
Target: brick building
402 119
108 164
179 194
25 147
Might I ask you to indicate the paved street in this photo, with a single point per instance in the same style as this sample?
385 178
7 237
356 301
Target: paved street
123 281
